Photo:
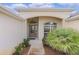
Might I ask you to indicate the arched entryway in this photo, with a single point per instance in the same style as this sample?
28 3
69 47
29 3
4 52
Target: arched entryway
38 27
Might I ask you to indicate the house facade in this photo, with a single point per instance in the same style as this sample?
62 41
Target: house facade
31 23
40 21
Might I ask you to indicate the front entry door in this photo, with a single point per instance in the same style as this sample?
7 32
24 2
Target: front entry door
33 30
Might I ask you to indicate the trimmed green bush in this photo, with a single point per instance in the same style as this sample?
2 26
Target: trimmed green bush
64 40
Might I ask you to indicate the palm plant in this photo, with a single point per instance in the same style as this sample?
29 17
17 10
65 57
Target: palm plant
65 40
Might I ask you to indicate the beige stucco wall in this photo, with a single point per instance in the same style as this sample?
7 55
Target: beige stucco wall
43 20
58 14
72 24
11 33
61 15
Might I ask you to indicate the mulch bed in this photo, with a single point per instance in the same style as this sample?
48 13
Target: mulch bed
48 51
25 51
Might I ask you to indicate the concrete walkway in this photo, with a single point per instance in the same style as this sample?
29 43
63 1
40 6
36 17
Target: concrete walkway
36 47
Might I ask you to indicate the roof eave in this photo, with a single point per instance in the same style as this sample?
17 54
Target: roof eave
73 18
44 9
9 12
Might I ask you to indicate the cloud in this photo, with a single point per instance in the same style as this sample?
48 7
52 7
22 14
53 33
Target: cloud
75 6
67 5
19 5
54 5
40 5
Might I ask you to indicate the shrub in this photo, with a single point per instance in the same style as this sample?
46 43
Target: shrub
18 49
21 46
26 42
65 40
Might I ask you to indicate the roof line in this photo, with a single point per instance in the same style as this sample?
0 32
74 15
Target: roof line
10 12
44 9
73 18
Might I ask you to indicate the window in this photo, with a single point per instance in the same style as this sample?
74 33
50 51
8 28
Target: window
48 27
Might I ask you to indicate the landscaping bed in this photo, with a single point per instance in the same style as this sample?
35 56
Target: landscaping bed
25 51
58 42
50 51
22 48
63 40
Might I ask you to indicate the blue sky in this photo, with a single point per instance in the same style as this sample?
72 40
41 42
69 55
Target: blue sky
74 6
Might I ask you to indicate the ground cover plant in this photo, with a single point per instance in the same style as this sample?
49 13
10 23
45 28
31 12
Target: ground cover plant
64 40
